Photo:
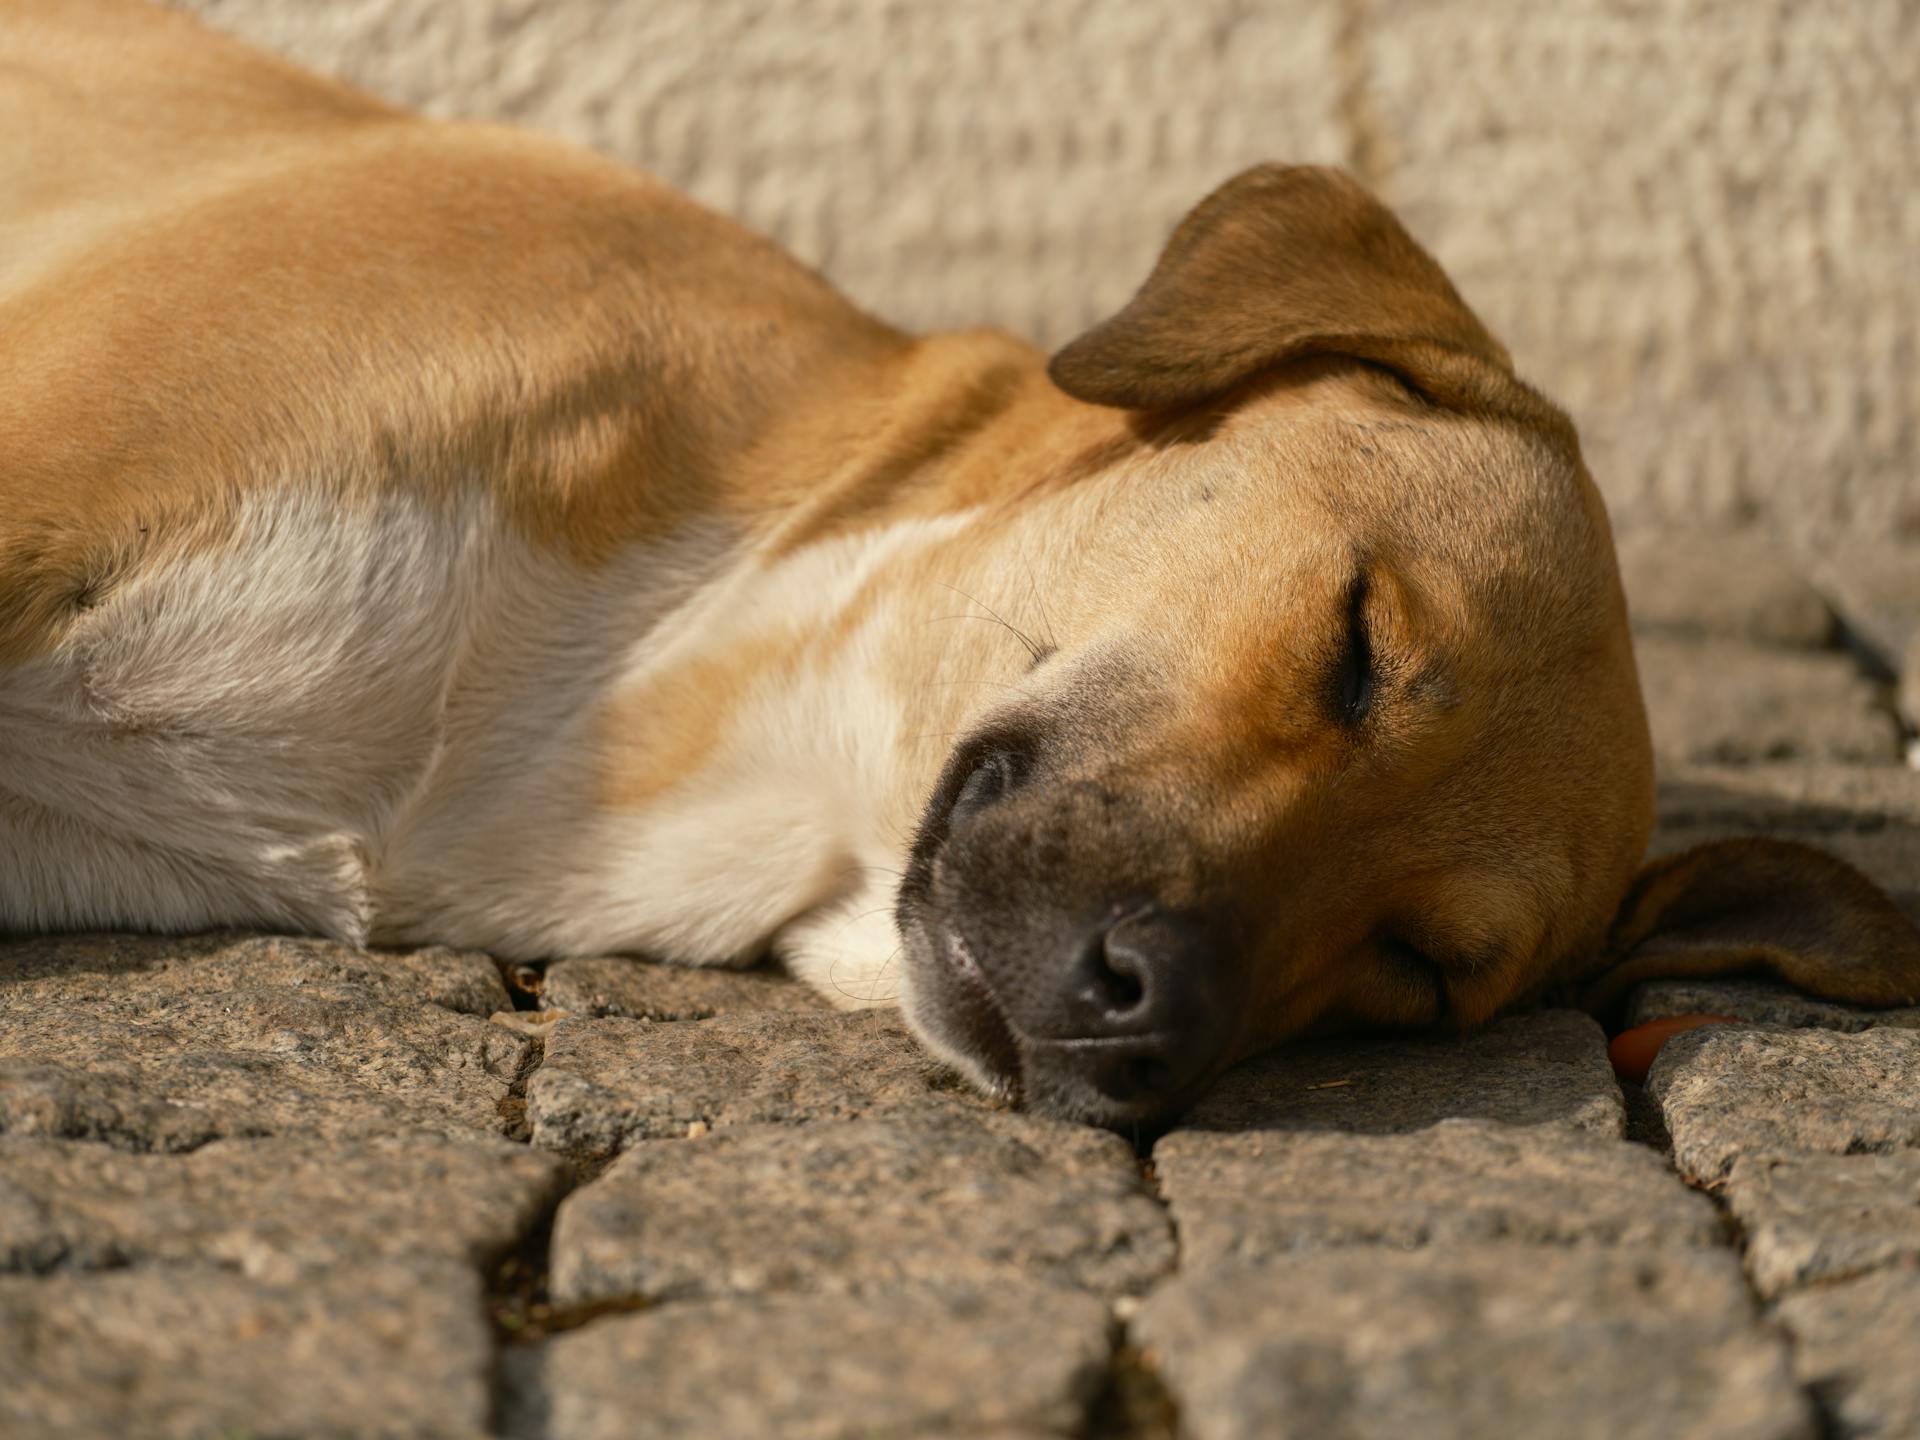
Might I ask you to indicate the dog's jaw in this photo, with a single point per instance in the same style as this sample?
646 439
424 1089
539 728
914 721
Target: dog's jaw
944 991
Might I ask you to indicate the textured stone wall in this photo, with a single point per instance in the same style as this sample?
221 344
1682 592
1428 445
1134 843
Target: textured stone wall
1696 222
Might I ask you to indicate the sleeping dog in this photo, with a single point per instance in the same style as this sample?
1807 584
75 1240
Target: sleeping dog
427 532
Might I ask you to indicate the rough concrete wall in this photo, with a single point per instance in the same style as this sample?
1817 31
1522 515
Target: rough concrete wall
1696 223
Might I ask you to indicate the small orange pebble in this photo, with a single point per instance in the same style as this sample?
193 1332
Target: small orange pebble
1632 1051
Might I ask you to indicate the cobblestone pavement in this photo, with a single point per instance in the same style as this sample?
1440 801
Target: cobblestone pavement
260 1186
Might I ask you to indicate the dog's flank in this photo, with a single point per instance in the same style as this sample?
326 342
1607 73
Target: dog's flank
421 532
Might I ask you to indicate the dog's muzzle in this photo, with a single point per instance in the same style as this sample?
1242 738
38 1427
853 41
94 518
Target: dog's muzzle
1114 1007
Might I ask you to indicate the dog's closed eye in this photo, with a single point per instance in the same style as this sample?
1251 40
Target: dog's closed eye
1353 677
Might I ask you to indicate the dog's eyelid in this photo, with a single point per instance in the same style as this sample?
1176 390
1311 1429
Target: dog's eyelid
1355 679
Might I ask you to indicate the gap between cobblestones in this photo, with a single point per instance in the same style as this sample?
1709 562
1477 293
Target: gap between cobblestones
1132 1402
1647 1126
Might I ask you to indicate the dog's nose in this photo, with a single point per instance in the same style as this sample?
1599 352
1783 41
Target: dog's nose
1128 968
1148 1015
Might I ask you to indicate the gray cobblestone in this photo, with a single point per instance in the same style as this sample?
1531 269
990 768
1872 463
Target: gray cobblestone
1550 1066
1854 1345
1471 1342
1250 1197
637 990
360 1352
1826 1217
980 1204
157 1044
1728 1091
607 1083
1025 1362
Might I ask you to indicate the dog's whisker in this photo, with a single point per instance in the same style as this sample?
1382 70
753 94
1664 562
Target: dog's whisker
1040 602
1034 649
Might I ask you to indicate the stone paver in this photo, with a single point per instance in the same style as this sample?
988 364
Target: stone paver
1697 586
1854 1345
1875 587
1549 1066
1473 1341
1907 699
1765 1001
368 1350
944 1202
268 1209
1826 1217
1868 815
1727 702
1727 1091
822 1368
1249 1197
158 1044
607 1083
637 990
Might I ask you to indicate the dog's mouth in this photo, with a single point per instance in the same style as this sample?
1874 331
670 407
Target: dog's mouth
988 1033
952 1008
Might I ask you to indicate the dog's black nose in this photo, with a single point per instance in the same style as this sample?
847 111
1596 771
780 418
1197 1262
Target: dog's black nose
1145 1015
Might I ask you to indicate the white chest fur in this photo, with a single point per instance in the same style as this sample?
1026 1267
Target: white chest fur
386 720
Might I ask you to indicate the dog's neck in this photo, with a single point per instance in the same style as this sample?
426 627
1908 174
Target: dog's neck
803 652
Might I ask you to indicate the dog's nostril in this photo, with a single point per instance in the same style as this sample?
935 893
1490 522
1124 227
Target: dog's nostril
1119 977
992 778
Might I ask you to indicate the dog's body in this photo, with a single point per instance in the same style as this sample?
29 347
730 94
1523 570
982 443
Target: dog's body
431 532
425 532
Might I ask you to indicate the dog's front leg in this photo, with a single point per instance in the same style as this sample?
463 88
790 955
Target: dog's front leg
849 949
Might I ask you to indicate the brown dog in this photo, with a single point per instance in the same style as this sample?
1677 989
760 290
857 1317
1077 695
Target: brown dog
426 532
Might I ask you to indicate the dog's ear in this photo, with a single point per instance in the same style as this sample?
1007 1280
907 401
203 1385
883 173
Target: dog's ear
1279 263
1762 907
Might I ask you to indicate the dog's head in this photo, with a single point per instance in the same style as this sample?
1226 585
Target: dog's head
1340 723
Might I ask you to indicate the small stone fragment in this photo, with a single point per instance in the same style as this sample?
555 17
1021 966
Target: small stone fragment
1548 1066
1023 1361
1243 1198
1727 1091
1854 1347
978 1203
607 1083
1590 1343
1826 1217
645 990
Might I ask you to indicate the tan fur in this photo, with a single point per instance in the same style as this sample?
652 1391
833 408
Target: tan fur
735 566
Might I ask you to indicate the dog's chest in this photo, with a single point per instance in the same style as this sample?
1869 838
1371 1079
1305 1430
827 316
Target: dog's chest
241 733
397 720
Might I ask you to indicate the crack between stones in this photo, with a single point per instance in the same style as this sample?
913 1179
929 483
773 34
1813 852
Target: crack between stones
1133 1402
1127 1401
519 1305
1647 1126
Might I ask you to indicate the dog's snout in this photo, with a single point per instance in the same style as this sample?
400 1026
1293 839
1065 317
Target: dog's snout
1147 1013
